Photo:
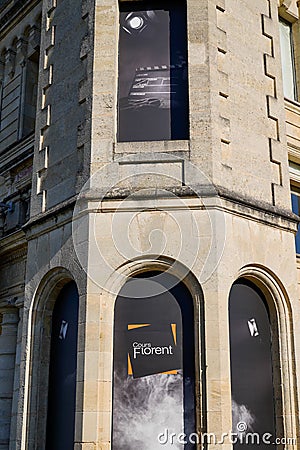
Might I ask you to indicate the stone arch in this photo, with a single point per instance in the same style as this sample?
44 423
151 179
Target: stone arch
280 319
37 367
26 32
186 277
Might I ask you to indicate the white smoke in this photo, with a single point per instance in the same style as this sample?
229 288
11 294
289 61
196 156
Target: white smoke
241 414
144 408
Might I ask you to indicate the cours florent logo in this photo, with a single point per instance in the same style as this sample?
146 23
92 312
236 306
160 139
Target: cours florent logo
153 349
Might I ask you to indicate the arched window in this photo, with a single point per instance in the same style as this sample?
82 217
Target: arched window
154 363
252 387
62 372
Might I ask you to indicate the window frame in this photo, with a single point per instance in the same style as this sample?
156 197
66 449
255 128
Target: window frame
294 173
293 59
140 6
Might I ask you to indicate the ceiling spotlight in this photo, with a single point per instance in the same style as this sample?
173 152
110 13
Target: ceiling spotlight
136 22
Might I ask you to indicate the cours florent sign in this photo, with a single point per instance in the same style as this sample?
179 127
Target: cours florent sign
153 349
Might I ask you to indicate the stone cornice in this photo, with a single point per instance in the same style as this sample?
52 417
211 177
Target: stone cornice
13 10
229 202
16 153
13 246
52 218
199 197
205 191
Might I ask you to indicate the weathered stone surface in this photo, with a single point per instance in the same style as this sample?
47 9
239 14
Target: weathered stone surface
215 207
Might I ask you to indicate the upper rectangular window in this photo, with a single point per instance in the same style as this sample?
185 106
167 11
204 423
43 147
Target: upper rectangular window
153 78
287 60
30 94
19 69
295 194
294 169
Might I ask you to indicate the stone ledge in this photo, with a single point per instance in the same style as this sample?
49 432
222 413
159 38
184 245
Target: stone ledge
15 153
51 213
239 204
151 146
230 202
12 241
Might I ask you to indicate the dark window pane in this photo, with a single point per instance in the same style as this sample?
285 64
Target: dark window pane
30 101
154 368
252 390
287 60
296 209
62 374
153 81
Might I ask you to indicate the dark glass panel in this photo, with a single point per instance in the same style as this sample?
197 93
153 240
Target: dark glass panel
62 374
251 364
154 386
153 80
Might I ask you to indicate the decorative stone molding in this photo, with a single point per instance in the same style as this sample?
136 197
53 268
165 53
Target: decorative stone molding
46 77
272 68
223 75
289 8
10 59
34 38
21 54
285 3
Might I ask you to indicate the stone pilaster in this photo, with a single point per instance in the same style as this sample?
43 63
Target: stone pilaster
8 341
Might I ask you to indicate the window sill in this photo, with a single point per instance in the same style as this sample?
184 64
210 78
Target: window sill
16 152
292 104
152 147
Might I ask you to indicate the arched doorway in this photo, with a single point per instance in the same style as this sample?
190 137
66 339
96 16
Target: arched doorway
62 371
154 364
252 387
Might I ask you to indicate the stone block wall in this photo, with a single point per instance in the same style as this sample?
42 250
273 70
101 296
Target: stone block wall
211 209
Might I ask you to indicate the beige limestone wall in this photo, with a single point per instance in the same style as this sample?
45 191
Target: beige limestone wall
254 161
231 75
260 251
52 249
51 263
237 129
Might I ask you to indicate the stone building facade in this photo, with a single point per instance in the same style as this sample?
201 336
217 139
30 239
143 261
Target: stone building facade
83 211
